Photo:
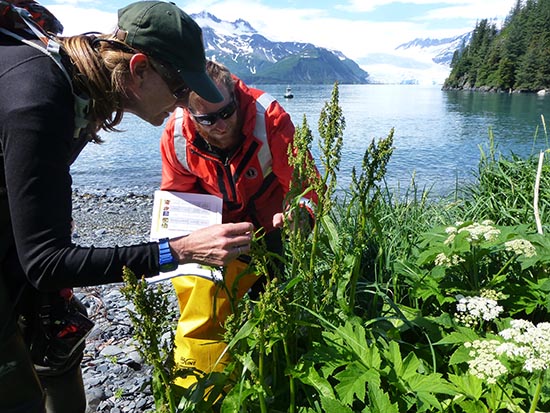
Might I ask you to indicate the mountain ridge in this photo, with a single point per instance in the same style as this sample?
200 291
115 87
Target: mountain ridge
256 59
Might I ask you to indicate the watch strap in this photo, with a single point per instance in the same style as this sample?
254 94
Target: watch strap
167 262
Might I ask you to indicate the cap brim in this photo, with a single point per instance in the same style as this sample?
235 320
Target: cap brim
202 85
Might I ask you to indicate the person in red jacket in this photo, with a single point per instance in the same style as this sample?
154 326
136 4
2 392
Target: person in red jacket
236 149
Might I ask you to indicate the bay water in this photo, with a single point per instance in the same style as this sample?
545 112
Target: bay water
438 135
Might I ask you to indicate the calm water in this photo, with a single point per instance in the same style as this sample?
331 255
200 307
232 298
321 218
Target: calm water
437 138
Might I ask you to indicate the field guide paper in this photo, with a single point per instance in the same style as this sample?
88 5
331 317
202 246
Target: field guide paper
180 213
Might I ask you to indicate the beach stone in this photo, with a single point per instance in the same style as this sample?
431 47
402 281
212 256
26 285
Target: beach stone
115 378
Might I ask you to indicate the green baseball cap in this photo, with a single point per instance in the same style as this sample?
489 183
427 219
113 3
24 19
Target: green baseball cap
165 32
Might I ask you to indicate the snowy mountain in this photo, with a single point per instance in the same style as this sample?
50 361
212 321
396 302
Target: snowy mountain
256 59
420 61
441 50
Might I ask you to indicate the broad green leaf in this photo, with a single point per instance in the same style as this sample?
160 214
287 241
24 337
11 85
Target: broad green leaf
334 406
234 399
353 381
427 256
462 335
393 354
332 233
432 383
461 355
469 385
410 367
473 406
244 331
352 335
380 402
426 401
311 377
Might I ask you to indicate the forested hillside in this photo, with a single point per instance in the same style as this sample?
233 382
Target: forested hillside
516 58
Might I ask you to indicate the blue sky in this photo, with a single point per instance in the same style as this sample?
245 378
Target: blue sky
355 27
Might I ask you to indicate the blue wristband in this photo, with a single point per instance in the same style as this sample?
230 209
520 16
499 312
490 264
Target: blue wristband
167 262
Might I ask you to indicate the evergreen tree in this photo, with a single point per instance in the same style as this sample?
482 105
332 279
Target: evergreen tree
516 57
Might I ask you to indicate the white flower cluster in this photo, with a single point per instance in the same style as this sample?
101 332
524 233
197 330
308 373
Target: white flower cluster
478 232
530 342
523 342
485 363
521 247
477 308
445 261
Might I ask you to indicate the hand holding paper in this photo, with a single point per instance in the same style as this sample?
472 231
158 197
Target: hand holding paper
215 245
197 236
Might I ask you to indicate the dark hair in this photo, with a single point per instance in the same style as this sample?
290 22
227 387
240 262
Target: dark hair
220 74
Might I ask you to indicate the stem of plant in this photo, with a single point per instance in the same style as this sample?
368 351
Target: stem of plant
536 396
292 389
261 355
167 386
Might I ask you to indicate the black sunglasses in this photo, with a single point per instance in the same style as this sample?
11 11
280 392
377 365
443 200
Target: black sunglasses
210 118
177 87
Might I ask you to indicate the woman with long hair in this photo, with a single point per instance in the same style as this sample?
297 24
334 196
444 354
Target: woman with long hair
57 94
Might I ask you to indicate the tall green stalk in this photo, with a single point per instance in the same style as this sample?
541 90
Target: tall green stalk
261 372
291 384
536 396
151 320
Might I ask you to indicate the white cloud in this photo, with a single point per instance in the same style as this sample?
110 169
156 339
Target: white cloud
78 20
445 8
473 11
354 37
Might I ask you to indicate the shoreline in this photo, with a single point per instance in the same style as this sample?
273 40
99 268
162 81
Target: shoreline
106 220
116 379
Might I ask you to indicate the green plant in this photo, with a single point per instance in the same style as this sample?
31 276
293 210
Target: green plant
386 303
151 320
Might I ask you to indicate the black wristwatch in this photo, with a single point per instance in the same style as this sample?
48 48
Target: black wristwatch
166 259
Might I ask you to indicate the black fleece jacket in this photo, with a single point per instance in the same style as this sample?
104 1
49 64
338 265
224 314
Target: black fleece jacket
36 145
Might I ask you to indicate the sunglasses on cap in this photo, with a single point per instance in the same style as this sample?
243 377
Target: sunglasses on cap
211 118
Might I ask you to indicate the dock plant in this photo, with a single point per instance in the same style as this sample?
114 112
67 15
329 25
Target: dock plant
392 301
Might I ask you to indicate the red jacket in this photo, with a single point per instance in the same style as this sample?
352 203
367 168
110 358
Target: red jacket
254 179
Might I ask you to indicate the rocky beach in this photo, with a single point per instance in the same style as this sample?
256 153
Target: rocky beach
115 377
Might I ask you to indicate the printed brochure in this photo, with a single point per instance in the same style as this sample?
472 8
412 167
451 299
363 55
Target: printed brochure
180 213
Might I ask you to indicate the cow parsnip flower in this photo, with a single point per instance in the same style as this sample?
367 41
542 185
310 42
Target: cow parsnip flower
524 343
481 232
529 342
491 294
442 260
521 247
484 231
478 308
485 363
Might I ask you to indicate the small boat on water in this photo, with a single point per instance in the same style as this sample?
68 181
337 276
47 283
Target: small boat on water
288 94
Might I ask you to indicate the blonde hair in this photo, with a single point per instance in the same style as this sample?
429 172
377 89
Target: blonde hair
101 68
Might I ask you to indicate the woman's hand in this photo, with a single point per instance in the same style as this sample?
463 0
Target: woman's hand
216 245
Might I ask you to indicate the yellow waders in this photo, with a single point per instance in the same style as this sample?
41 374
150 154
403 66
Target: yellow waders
204 307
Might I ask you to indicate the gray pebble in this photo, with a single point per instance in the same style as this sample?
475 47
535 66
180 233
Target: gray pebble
115 378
